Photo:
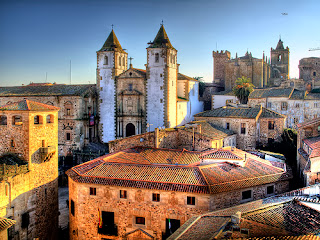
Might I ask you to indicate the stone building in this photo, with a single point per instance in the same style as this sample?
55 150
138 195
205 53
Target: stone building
147 193
159 95
262 72
194 136
227 70
309 70
308 151
251 124
297 105
78 114
291 215
224 98
29 169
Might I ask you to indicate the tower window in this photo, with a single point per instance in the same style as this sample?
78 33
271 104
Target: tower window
68 136
157 57
279 58
314 74
105 60
119 61
130 86
123 61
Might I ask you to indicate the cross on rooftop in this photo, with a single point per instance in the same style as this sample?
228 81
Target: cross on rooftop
130 58
112 26
161 23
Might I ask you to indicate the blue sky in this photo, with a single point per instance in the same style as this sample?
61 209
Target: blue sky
39 37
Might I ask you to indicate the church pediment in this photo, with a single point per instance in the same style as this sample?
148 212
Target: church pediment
133 73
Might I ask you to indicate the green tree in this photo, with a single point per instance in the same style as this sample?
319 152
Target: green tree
242 89
202 85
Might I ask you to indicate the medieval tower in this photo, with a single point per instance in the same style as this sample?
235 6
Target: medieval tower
111 61
279 63
162 71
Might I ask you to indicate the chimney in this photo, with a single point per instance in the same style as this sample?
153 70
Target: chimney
236 218
156 138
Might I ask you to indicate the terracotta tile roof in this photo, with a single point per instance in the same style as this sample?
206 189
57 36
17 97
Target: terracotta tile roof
141 71
47 90
220 154
307 123
277 217
210 130
314 144
185 77
5 223
28 105
271 92
112 44
240 112
176 170
304 237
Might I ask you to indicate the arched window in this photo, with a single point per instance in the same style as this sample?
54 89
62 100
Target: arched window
3 120
105 60
49 103
16 120
119 60
279 58
157 57
38 119
123 61
12 144
6 189
50 118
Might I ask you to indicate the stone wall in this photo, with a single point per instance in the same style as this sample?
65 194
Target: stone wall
266 133
244 141
172 139
172 205
35 192
76 123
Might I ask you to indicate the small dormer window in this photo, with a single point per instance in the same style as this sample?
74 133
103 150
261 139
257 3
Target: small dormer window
105 60
157 57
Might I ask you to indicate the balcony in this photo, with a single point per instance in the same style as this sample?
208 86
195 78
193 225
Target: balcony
46 153
110 230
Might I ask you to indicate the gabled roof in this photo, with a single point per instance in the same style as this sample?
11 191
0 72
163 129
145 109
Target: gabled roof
185 77
112 44
271 92
308 123
47 90
141 233
5 223
176 170
28 105
210 130
161 40
240 112
140 72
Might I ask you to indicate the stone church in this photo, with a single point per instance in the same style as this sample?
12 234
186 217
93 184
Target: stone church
133 101
262 72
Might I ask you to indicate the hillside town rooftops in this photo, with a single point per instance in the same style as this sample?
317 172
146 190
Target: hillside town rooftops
240 112
210 130
28 105
46 90
180 170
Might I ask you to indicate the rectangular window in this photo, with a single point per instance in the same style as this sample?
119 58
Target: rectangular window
269 105
243 128
93 191
157 57
270 125
140 220
72 207
123 194
284 106
315 104
297 105
191 200
246 195
156 197
161 100
25 220
68 111
68 136
227 125
130 86
306 104
270 190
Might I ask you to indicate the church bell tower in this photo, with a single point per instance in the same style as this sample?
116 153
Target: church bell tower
162 71
112 60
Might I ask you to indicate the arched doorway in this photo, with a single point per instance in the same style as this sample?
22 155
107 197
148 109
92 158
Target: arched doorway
130 130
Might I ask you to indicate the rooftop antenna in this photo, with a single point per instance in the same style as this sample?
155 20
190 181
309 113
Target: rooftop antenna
70 71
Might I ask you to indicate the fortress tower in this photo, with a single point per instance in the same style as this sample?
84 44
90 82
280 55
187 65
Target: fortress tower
111 61
279 63
219 60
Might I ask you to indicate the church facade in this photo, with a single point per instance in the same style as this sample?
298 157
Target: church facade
133 101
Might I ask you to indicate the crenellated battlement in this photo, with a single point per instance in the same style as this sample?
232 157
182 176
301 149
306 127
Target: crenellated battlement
222 53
